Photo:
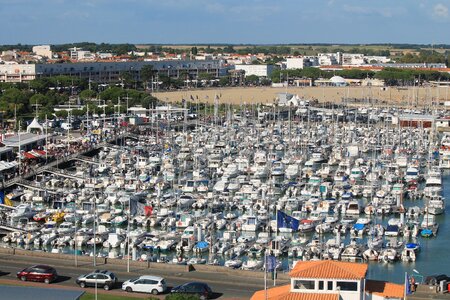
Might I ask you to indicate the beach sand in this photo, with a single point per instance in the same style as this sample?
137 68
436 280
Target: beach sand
412 97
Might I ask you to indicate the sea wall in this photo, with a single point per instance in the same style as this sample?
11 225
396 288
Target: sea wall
139 264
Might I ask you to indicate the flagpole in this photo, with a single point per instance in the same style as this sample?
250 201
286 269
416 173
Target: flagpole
405 289
265 274
275 273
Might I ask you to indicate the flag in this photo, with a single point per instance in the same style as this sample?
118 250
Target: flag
148 211
136 208
286 221
271 263
407 284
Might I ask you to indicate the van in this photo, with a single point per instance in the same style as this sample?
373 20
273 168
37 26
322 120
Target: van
66 126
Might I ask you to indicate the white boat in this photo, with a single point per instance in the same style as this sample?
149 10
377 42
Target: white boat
436 205
22 211
251 223
66 227
233 263
388 255
253 264
114 240
353 208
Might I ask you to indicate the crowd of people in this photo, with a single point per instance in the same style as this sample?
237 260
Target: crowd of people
59 150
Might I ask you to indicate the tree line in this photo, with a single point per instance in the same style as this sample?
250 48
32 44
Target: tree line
391 76
22 99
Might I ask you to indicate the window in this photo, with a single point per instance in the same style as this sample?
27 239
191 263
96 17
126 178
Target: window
304 284
321 285
152 282
347 285
330 285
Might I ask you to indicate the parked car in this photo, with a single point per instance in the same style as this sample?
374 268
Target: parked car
40 273
197 288
436 279
145 284
105 279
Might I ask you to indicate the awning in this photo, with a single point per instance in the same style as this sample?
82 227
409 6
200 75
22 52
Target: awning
5 165
29 155
37 153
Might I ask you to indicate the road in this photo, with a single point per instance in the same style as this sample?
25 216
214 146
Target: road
224 285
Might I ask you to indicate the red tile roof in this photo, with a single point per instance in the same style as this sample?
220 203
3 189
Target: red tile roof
284 293
329 269
385 289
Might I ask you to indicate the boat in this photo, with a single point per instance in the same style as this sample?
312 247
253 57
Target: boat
233 263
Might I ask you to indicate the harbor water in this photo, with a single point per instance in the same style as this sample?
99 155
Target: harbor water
434 257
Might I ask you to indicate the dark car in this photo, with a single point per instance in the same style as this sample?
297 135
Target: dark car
105 279
197 288
40 273
436 279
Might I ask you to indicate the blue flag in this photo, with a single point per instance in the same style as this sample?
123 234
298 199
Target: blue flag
286 221
407 285
271 263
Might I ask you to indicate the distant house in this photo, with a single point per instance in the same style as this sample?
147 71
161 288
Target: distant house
331 280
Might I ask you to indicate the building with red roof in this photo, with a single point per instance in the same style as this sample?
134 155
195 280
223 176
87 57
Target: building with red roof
331 280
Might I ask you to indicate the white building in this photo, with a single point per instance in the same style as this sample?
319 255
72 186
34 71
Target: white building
377 59
351 59
330 59
301 62
80 54
331 280
43 50
17 73
138 111
108 71
205 56
104 55
258 70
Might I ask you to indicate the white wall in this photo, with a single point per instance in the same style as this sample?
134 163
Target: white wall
43 50
344 295
258 70
295 63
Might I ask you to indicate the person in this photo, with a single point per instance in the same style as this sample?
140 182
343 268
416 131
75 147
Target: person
412 284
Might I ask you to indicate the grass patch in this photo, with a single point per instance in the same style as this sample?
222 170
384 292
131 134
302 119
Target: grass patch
91 296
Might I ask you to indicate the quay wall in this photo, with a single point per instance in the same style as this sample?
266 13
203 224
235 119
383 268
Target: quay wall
139 264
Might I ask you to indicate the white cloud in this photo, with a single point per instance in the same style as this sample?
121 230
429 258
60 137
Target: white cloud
365 10
440 11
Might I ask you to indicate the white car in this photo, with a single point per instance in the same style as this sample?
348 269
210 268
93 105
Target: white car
145 284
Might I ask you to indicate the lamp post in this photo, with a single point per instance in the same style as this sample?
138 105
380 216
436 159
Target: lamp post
128 234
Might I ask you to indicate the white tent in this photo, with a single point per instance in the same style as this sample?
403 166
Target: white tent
35 126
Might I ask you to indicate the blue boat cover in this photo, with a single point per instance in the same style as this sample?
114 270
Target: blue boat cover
202 245
392 228
358 226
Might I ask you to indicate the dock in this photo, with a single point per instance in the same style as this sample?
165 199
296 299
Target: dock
428 292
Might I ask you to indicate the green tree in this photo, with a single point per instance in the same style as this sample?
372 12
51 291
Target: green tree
224 81
252 79
87 94
147 72
205 76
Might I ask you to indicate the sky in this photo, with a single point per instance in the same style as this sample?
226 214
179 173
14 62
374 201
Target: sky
225 21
